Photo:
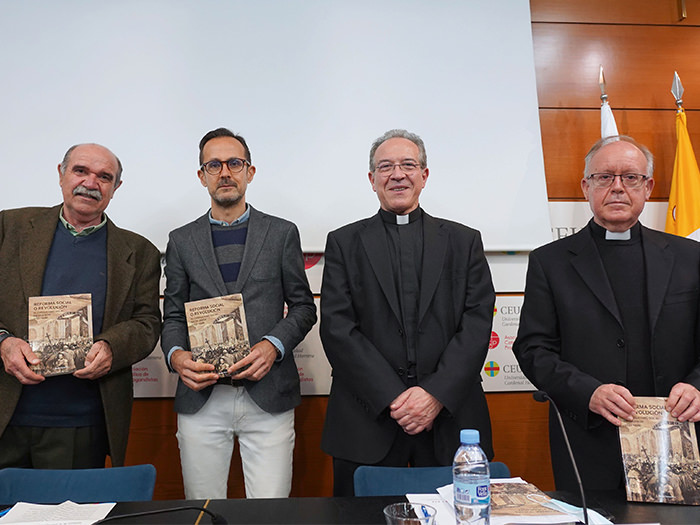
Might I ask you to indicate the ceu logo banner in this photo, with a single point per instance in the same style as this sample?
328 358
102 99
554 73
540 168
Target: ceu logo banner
501 372
491 368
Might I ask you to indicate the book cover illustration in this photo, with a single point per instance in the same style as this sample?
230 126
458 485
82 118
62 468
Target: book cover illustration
660 456
520 499
218 331
60 332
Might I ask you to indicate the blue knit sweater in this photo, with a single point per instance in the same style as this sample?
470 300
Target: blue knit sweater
75 265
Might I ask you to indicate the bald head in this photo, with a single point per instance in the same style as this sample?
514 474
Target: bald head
66 160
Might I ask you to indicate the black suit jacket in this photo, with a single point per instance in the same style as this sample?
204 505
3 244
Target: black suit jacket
362 335
571 340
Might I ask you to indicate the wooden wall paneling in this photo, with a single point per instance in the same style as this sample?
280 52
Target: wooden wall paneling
639 62
567 135
313 469
521 436
614 12
152 440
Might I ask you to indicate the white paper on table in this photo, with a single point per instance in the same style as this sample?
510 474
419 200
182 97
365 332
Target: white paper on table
594 518
66 513
445 514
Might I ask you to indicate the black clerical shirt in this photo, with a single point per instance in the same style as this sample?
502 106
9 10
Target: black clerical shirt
626 270
405 239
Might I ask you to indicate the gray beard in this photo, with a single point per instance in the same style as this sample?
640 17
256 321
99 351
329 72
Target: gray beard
227 203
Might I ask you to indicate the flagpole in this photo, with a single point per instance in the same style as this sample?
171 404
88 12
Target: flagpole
683 215
608 127
601 84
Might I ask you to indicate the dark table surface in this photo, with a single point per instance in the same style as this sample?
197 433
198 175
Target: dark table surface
267 511
612 505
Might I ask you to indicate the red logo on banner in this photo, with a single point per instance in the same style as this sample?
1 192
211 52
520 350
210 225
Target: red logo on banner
493 343
311 260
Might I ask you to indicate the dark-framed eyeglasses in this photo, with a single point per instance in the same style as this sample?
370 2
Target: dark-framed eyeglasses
407 167
214 167
605 180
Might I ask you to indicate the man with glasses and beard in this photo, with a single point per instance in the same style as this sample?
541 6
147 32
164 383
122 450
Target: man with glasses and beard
234 248
74 420
611 313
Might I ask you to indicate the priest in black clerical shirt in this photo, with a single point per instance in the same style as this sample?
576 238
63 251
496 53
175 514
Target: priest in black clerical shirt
406 311
610 313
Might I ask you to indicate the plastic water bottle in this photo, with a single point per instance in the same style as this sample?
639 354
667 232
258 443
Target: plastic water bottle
470 476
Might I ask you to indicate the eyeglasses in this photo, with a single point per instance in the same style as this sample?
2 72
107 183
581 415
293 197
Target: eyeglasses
214 167
407 167
605 180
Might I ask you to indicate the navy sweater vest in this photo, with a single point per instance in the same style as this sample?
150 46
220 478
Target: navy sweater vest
74 265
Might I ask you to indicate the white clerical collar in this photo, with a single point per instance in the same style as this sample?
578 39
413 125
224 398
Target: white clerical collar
392 218
618 236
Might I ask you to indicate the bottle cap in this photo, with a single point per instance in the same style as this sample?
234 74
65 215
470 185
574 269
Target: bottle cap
469 436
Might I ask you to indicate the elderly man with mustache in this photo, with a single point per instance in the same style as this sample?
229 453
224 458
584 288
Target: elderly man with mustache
74 420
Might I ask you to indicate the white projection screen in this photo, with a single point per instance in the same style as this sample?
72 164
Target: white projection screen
309 84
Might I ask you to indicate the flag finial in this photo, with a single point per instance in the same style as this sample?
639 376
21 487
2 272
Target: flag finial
677 89
601 83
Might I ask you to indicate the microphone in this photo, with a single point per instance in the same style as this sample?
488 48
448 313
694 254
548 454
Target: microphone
541 397
216 519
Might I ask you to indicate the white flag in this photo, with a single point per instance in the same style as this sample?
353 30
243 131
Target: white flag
608 127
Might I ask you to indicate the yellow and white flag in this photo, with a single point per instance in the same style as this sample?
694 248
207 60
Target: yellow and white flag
683 216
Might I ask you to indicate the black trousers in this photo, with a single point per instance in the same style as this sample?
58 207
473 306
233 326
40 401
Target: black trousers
53 447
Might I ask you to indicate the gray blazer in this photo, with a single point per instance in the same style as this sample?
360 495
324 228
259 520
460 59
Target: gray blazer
272 274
